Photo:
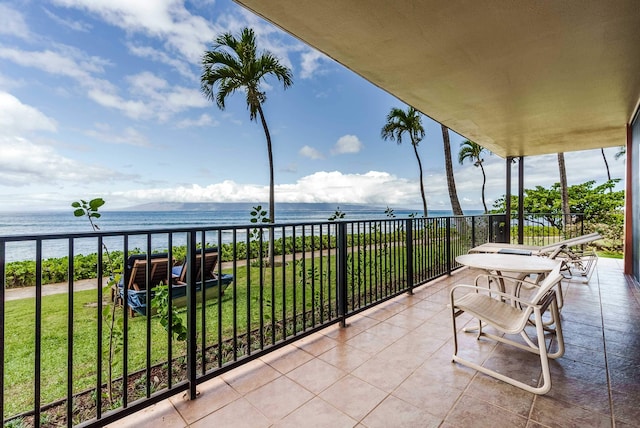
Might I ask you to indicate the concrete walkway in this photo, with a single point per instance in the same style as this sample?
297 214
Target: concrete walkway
49 289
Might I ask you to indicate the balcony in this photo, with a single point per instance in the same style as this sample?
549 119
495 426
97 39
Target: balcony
321 323
391 366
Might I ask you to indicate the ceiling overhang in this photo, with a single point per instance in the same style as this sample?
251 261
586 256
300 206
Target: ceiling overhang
519 78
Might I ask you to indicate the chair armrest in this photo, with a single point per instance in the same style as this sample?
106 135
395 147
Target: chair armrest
508 296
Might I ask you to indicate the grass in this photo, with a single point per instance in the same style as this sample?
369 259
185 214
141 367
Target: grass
258 298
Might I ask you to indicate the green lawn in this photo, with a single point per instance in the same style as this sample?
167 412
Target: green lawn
259 307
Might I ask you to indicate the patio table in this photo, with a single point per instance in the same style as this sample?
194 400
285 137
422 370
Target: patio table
503 263
508 263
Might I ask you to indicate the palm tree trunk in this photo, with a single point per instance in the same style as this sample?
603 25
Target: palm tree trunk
424 199
272 205
566 212
606 164
484 182
451 183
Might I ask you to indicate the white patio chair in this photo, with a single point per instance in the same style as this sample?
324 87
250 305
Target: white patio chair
510 314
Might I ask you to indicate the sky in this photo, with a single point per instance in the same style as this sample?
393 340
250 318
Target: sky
102 99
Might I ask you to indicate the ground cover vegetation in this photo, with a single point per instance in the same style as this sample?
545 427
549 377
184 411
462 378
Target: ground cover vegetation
263 306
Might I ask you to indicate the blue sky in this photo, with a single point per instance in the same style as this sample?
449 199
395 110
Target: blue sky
103 98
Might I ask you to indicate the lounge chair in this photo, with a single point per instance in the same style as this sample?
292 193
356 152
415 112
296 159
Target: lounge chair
212 282
208 267
136 281
574 261
496 247
510 314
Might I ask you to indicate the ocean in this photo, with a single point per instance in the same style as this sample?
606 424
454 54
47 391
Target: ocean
54 222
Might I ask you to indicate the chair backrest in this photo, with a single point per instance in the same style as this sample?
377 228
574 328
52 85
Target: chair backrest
570 242
210 261
550 280
556 252
131 260
159 273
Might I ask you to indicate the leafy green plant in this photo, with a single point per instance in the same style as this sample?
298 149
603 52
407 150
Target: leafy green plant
160 302
16 423
338 215
258 215
389 213
115 324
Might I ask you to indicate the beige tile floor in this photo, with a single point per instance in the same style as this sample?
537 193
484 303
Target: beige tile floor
391 367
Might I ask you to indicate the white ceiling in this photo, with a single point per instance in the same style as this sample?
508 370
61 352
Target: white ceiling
520 77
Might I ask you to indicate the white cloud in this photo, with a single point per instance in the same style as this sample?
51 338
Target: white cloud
67 61
12 22
166 20
203 120
291 168
24 163
16 117
347 144
129 136
108 98
156 98
335 187
310 152
73 25
311 62
153 54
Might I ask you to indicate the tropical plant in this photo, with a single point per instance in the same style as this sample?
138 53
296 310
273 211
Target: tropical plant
600 206
622 151
114 324
448 165
389 212
337 215
399 122
234 64
174 323
473 152
258 215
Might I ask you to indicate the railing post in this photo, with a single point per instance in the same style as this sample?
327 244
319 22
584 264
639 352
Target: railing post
473 231
342 272
448 245
3 285
192 345
409 246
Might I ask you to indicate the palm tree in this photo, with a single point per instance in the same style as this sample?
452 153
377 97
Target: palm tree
564 194
399 122
233 64
448 165
606 164
473 152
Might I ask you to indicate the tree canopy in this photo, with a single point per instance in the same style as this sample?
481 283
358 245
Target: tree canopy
597 203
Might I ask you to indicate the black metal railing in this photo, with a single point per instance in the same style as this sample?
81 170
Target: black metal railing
546 228
81 359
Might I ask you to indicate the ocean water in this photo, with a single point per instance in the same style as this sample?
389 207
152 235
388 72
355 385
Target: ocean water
35 223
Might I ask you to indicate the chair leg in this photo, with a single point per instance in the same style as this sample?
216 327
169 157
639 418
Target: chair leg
455 332
541 350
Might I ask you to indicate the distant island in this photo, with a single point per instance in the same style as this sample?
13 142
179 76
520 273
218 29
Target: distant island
239 206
